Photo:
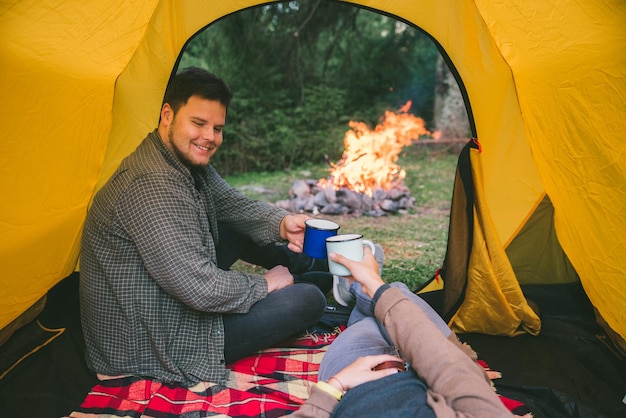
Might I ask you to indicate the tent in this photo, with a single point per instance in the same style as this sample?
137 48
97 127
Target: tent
544 83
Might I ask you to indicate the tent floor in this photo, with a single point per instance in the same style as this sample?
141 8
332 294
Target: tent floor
566 371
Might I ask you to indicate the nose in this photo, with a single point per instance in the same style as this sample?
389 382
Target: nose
209 133
213 135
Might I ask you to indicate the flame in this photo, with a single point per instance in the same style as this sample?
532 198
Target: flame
370 156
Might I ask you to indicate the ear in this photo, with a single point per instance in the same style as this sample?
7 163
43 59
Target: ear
167 114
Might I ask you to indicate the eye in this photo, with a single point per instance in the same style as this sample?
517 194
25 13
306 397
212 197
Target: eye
218 129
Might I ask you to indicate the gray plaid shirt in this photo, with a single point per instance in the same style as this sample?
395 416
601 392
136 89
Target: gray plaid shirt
151 293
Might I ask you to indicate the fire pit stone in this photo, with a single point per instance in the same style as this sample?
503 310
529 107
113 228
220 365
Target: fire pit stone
312 197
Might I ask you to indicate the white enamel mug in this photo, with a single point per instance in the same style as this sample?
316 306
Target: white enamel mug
348 245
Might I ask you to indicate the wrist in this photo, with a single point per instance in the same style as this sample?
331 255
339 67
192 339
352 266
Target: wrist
282 228
377 295
336 383
330 390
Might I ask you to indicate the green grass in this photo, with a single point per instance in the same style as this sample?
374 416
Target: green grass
414 242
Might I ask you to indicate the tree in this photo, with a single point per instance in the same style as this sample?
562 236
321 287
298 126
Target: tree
450 113
300 70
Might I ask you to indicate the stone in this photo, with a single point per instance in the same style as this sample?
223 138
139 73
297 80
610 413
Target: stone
329 191
299 188
334 209
320 199
389 205
349 198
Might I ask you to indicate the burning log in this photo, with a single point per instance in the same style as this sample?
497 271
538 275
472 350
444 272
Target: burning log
367 179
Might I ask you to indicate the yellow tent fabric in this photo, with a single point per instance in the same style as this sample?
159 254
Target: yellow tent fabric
82 82
493 303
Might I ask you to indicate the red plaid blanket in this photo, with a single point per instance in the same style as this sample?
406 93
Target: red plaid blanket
271 384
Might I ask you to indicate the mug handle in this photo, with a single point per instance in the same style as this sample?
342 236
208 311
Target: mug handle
370 244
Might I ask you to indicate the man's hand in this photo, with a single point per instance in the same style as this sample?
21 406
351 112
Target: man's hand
292 229
277 278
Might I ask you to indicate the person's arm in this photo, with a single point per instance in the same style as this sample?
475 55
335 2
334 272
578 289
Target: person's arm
161 217
319 405
264 223
325 395
457 385
257 219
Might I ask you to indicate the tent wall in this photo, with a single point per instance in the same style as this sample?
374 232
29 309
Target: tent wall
545 84
60 61
536 254
569 67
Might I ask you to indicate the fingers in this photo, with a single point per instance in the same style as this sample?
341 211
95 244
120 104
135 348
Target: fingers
368 259
367 363
363 370
365 271
277 270
374 361
295 222
295 246
277 278
292 229
342 260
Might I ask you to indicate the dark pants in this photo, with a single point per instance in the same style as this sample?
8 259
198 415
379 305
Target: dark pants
280 315
234 246
283 313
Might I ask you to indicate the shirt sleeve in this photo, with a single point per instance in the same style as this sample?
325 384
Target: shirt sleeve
165 222
319 405
457 385
254 218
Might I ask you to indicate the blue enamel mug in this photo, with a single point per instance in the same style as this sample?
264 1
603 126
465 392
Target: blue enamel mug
315 234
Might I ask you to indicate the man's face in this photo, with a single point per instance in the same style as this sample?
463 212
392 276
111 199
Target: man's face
195 133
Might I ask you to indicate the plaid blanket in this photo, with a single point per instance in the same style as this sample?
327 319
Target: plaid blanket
271 384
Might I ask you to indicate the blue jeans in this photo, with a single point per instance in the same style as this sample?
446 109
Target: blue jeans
365 336
399 395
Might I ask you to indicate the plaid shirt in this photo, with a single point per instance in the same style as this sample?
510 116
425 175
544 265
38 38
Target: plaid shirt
151 293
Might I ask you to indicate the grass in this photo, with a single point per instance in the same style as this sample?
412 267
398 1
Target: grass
414 242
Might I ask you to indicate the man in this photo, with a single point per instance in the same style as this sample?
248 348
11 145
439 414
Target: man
154 301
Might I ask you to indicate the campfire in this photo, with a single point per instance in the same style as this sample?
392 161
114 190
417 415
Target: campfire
367 180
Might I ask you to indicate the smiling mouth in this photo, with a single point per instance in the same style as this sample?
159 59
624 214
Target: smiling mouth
200 147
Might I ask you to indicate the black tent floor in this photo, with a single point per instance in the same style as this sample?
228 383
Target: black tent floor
569 370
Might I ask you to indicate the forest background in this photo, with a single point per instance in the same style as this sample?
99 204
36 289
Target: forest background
300 71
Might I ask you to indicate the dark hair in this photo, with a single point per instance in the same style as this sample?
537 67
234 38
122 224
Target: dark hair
194 81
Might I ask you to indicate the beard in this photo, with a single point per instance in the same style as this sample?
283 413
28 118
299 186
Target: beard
182 156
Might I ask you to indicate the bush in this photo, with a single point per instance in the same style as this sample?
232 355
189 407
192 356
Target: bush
285 136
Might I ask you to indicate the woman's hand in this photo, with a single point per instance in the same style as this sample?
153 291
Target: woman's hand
292 229
365 271
361 371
